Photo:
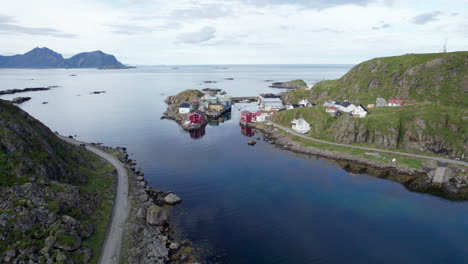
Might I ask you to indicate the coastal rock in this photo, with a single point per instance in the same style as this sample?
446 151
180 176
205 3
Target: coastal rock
156 216
172 199
251 142
141 214
296 84
20 100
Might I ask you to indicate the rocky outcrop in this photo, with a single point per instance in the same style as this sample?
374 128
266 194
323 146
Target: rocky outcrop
149 235
296 84
20 100
26 90
46 207
454 184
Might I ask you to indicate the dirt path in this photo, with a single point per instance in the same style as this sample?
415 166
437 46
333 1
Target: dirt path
110 249
440 159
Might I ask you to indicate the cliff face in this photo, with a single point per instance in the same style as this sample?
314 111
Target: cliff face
55 196
46 58
421 128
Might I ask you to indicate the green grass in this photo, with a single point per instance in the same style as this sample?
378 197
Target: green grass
435 77
101 182
436 122
407 162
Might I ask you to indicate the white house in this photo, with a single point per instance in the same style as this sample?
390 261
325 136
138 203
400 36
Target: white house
184 108
346 107
305 103
289 106
360 111
331 110
300 125
395 102
261 116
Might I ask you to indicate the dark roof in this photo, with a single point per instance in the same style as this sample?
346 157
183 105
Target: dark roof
199 113
185 105
270 96
345 104
337 102
363 107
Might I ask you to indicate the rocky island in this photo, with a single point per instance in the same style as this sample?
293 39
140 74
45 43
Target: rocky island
47 58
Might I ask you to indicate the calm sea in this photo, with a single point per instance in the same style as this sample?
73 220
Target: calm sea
247 204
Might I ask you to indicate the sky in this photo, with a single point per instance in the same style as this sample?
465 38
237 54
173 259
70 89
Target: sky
178 32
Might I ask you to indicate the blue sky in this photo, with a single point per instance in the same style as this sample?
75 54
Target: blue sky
155 32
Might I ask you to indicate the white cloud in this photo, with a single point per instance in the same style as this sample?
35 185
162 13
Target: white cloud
234 31
202 35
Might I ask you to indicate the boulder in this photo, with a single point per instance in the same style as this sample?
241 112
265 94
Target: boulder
156 215
252 142
172 199
142 212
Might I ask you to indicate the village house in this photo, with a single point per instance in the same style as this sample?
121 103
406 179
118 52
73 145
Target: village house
370 106
270 102
331 110
216 107
300 125
346 107
380 102
247 116
305 103
360 111
290 106
184 108
394 102
261 116
197 117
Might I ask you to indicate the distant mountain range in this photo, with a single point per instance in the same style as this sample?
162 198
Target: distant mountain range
47 58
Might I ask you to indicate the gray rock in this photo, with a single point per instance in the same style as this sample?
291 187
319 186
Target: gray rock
157 250
69 220
49 242
141 214
156 215
172 199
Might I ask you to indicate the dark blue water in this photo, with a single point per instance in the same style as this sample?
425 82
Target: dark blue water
248 204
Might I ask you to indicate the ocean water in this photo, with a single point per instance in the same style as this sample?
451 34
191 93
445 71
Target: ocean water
246 204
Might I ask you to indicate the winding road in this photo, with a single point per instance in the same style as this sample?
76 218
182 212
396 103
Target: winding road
439 159
111 247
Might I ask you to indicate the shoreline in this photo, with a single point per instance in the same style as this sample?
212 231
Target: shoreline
452 187
148 236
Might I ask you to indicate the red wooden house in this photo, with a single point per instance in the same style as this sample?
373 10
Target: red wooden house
247 116
197 118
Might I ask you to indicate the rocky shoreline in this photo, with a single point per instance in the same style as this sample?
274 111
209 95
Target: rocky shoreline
454 185
148 237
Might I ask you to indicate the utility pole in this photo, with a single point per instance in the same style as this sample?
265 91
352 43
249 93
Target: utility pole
445 46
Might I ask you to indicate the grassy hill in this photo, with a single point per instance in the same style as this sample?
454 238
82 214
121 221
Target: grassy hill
440 78
56 198
437 123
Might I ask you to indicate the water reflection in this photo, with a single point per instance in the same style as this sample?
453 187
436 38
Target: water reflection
247 130
198 133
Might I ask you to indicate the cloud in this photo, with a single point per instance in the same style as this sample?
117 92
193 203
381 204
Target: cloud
126 29
7 26
202 35
211 11
308 3
382 26
325 30
426 18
